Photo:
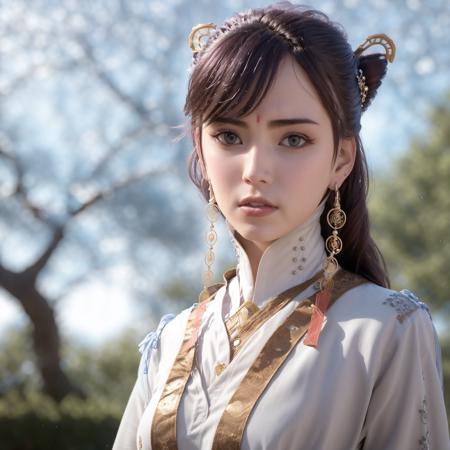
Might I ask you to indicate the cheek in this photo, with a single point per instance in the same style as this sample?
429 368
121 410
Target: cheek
224 171
308 176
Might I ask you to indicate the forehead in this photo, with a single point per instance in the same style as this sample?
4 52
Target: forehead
291 94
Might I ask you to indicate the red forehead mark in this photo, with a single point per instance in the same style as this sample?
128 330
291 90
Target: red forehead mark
258 118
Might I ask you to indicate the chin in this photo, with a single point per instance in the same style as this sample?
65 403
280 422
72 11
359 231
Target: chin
259 234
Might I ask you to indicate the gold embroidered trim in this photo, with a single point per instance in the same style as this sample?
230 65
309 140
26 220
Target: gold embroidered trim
235 322
234 419
164 420
163 432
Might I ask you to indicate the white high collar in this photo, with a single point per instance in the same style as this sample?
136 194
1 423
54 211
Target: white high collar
288 261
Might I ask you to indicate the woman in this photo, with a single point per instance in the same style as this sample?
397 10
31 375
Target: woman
303 346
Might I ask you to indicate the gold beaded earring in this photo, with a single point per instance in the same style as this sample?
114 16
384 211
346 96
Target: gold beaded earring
336 219
212 212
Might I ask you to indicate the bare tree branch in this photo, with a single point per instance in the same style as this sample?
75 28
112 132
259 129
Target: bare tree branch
20 190
130 135
19 81
115 187
136 106
32 271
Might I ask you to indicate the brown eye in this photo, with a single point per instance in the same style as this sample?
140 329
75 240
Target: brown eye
228 138
294 140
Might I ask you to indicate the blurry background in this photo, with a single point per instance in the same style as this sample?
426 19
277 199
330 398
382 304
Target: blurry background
101 231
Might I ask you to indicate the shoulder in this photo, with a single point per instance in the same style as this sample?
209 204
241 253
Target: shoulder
151 351
405 304
383 324
169 333
385 305
151 344
174 325
168 324
372 313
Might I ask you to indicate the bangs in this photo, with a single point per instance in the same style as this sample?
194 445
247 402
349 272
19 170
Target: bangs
232 78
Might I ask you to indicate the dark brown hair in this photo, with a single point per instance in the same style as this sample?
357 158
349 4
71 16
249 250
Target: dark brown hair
234 70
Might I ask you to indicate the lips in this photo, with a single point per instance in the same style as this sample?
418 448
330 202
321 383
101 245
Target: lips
256 202
256 207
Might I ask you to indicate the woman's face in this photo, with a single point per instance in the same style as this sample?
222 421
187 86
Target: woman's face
269 170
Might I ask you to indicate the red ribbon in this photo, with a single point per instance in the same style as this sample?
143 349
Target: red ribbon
315 325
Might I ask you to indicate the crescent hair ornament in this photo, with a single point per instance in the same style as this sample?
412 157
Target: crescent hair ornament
378 39
199 32
374 39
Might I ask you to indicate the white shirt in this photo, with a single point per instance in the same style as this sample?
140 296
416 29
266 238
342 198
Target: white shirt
373 383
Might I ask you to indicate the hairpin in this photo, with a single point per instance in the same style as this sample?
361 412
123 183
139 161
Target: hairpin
363 89
199 32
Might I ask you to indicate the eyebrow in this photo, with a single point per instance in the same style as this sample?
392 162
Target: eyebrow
272 124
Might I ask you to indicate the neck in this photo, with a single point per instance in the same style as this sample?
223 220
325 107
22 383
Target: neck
254 251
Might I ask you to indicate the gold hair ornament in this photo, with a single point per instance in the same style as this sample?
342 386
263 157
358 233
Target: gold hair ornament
199 32
363 88
374 39
378 39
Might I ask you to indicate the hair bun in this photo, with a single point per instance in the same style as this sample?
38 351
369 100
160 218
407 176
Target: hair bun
374 68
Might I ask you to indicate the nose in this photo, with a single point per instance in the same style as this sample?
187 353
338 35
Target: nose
258 166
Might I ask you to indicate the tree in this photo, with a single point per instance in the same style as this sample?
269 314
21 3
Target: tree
410 210
62 59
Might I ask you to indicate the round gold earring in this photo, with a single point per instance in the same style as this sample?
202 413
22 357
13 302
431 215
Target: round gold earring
212 212
336 219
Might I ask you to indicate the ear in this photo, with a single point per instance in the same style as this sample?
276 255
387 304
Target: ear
345 160
198 149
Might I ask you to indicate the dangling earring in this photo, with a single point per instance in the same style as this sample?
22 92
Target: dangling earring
336 219
212 212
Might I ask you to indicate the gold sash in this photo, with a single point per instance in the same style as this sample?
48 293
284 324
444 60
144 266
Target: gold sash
231 426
